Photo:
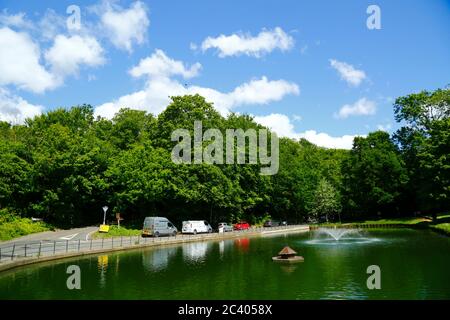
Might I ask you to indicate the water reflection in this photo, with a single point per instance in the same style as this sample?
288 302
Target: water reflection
195 251
242 244
157 259
117 263
289 268
102 267
223 245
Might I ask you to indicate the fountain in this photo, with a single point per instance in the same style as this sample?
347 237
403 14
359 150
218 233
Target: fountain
337 233
339 236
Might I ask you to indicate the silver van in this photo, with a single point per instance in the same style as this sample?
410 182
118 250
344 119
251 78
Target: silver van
158 226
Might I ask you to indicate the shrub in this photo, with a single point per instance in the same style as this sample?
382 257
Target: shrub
12 226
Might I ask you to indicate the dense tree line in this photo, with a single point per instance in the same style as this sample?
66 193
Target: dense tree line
64 165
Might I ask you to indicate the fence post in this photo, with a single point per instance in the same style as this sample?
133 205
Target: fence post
12 254
112 242
67 246
90 247
79 241
40 246
25 248
54 247
0 254
103 239
131 239
121 240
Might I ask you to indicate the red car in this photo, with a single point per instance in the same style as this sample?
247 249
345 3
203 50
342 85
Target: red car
243 225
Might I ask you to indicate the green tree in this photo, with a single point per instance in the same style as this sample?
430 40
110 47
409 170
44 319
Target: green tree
15 175
424 145
326 201
131 126
373 176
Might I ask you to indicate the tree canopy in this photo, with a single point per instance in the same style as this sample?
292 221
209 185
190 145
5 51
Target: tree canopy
64 165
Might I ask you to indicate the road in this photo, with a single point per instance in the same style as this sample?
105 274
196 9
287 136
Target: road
46 240
71 234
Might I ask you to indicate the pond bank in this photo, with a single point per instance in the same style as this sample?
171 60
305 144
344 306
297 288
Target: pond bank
39 252
441 224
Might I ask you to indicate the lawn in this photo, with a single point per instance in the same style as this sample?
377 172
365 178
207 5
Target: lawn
115 231
441 224
409 220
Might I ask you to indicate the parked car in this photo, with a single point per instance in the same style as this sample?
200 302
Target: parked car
196 226
242 225
158 226
226 227
271 223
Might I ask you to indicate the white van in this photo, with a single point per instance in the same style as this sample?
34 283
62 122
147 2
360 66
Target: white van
158 226
196 226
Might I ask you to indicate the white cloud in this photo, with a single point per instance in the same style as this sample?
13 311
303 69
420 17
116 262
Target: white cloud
262 91
68 53
282 125
279 123
362 107
155 96
19 63
352 76
15 110
14 20
160 65
125 27
51 24
160 85
325 140
238 44
20 59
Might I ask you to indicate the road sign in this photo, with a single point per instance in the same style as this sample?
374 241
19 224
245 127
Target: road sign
105 208
103 228
118 219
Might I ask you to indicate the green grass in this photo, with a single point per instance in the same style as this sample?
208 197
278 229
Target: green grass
442 226
442 223
115 231
18 227
409 221
405 220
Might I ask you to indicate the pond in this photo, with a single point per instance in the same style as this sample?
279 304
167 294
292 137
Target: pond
414 264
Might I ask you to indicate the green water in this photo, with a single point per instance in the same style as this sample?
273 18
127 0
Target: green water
414 265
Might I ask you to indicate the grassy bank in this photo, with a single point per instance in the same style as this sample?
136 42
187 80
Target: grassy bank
115 231
442 223
442 228
18 227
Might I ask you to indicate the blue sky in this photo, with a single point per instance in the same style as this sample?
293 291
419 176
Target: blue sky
308 69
